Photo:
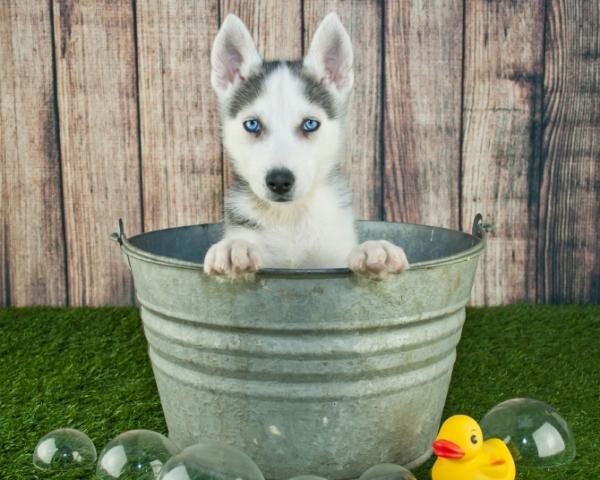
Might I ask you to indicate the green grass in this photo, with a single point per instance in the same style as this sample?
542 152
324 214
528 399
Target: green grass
88 369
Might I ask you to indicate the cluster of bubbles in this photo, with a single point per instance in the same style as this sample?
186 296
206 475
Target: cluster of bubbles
147 455
535 433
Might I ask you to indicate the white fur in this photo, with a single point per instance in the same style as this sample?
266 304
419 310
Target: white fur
315 229
311 233
282 109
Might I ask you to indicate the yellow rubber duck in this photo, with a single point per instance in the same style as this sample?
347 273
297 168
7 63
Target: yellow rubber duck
463 455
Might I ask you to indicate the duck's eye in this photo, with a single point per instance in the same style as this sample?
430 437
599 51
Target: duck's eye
310 125
474 439
252 125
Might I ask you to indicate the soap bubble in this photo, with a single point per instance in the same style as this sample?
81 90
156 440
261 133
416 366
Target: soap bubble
64 449
308 477
387 471
137 454
535 433
211 461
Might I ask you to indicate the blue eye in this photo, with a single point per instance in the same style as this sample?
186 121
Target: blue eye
252 125
310 125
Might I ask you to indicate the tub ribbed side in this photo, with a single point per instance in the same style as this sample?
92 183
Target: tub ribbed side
262 358
329 402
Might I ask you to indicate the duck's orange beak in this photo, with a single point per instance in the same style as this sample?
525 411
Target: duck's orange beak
447 449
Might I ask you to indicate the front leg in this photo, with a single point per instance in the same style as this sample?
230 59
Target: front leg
377 258
232 258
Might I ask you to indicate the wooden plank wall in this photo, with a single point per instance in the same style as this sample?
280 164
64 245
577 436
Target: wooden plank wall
33 250
459 107
181 161
569 204
97 108
503 67
423 65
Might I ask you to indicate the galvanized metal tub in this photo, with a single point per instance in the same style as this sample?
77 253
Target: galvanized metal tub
307 371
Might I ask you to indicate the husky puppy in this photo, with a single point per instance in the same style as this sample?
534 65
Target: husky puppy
283 125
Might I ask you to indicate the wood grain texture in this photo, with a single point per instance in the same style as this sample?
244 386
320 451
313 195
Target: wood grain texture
503 77
181 152
362 161
4 282
5 33
4 259
276 27
96 79
569 233
31 198
422 111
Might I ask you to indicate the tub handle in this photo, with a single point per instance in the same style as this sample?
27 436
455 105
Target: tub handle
119 237
478 229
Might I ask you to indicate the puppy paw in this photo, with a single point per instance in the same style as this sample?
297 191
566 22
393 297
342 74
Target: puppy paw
376 258
232 258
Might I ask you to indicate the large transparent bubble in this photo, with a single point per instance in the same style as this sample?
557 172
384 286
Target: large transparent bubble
387 471
63 450
137 454
535 433
211 461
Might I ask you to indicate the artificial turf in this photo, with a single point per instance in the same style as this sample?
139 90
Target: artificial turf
88 369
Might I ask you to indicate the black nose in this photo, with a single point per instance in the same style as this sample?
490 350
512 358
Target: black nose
280 180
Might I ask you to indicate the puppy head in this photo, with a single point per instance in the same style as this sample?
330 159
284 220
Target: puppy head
282 121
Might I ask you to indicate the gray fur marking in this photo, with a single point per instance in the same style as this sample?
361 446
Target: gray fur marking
232 217
235 219
314 91
251 89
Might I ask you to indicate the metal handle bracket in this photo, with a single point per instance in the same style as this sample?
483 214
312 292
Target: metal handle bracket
120 235
479 228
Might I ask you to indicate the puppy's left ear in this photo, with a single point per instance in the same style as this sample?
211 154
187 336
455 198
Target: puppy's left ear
330 55
234 56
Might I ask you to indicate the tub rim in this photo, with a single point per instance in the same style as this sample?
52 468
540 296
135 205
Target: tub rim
128 249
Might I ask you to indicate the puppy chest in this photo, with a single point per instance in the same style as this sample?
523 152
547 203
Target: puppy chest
302 247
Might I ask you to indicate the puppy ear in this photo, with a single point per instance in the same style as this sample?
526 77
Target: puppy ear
234 56
330 55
